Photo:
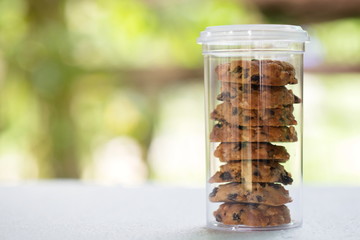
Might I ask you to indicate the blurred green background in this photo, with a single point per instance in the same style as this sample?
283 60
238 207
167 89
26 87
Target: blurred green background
112 91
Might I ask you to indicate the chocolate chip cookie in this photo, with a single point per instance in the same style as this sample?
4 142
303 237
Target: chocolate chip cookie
260 193
252 171
227 133
247 151
256 97
252 214
225 112
264 72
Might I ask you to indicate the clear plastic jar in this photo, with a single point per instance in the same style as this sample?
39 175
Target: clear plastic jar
253 87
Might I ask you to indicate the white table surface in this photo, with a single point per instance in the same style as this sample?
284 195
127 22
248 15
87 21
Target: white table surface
72 210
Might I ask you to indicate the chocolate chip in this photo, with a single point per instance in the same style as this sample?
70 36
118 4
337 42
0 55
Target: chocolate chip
259 198
226 94
225 176
239 146
218 217
238 69
223 96
236 216
218 125
246 73
268 161
297 99
287 137
247 118
272 112
272 168
232 196
255 87
234 111
286 179
255 79
262 184
276 186
256 173
213 193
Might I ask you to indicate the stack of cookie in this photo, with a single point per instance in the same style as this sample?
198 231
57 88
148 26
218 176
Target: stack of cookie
256 109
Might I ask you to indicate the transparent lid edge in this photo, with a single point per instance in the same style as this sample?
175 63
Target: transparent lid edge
238 42
252 32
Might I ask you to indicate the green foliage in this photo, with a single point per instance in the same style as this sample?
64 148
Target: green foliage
13 24
341 41
331 132
136 34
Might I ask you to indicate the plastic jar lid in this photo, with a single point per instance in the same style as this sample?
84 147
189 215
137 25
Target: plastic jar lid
232 34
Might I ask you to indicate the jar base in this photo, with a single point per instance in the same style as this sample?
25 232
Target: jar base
244 228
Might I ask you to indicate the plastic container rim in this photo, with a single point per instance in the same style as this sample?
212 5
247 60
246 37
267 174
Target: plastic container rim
237 34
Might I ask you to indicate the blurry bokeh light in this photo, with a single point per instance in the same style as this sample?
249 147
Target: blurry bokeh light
97 90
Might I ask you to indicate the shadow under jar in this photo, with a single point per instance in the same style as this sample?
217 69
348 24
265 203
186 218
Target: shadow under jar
253 88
